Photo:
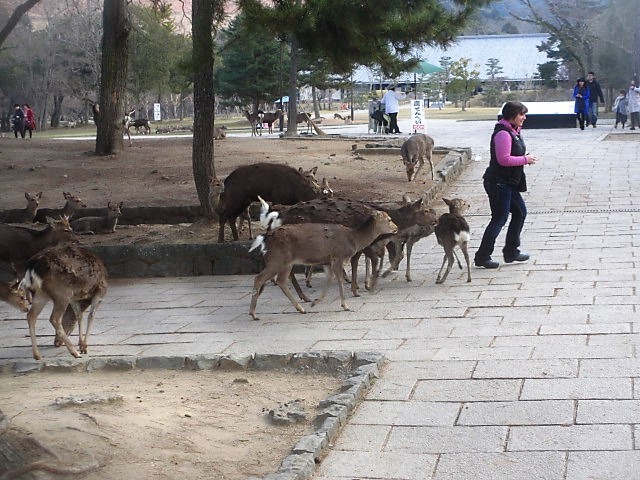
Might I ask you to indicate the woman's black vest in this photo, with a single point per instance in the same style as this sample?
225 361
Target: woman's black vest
513 176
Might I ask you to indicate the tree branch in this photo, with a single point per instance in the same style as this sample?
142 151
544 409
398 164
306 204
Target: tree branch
15 18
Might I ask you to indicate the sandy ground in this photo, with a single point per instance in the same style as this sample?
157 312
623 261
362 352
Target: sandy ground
158 172
159 424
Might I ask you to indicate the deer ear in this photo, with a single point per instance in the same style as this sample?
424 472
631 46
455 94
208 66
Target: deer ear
447 201
314 170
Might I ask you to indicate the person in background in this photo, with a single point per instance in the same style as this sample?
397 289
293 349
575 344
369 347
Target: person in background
595 93
633 105
29 119
620 108
392 107
504 180
581 95
17 121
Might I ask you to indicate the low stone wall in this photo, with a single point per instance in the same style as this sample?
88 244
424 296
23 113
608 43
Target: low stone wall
182 260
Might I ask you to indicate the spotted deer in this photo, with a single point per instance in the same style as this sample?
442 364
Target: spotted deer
254 119
105 224
69 276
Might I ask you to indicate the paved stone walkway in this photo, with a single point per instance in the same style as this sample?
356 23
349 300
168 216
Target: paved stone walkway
529 372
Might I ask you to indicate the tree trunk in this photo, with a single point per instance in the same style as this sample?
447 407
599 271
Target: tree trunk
203 101
57 110
292 126
115 55
316 104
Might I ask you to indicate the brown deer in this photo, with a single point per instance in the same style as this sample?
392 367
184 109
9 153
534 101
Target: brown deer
13 296
304 118
313 244
93 225
70 276
272 117
72 203
274 182
27 214
254 119
413 151
453 231
18 244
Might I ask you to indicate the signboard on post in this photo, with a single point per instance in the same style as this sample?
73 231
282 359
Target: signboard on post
156 112
417 117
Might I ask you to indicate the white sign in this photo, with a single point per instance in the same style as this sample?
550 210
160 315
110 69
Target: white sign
156 112
417 117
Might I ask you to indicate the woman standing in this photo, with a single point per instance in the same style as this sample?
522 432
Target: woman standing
620 108
633 99
504 180
29 119
581 94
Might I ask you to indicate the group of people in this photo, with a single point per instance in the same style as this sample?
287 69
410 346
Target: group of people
23 120
587 93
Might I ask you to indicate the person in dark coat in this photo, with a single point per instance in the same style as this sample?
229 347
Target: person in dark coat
595 93
504 180
17 121
581 96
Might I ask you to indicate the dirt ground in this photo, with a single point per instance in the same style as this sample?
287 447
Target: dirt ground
158 424
158 172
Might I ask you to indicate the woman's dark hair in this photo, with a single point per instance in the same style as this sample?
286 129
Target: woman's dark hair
510 110
581 79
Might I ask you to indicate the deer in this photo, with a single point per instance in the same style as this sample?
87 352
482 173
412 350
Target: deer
274 182
18 244
413 151
72 203
254 119
304 118
324 244
453 231
272 117
27 214
13 296
126 122
93 225
70 276
219 132
141 123
350 213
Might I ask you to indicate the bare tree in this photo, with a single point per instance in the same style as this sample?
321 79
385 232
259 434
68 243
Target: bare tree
115 56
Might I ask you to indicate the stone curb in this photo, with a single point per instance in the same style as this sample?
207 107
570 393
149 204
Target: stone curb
360 368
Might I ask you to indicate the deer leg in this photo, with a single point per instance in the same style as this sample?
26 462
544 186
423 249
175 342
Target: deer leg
409 249
463 247
308 275
296 287
59 307
336 266
329 274
38 303
448 256
221 222
258 286
281 280
234 228
433 177
84 342
354 273
395 257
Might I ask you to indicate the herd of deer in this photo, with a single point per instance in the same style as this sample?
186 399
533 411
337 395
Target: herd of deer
48 266
304 224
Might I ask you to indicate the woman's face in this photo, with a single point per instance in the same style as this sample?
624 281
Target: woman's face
518 120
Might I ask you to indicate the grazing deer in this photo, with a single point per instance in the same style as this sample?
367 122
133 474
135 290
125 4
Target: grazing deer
69 275
93 225
139 123
13 296
413 151
272 117
453 231
18 244
329 245
254 119
274 182
27 214
72 203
